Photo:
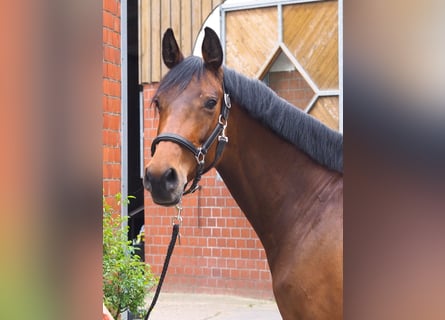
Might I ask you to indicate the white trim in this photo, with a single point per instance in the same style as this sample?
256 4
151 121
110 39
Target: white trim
280 22
265 67
141 131
229 6
124 118
327 93
124 107
213 21
311 103
222 34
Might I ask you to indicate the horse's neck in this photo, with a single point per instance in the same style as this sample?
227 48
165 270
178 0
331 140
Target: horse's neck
269 178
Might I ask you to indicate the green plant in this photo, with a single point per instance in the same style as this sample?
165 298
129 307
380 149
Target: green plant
126 279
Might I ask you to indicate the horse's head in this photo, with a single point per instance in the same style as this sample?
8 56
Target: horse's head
192 111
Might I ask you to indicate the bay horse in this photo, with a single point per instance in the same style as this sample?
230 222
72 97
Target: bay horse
283 167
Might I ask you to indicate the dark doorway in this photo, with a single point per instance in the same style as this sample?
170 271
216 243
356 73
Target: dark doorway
135 187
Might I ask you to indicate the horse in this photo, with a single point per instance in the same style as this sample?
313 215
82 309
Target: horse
283 167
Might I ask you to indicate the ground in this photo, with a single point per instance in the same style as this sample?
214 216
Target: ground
212 307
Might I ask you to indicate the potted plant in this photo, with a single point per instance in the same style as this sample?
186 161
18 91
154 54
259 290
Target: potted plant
126 279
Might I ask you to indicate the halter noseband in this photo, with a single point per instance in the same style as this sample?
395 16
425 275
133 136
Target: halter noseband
200 152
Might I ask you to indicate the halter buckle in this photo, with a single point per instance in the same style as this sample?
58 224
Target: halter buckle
223 123
222 136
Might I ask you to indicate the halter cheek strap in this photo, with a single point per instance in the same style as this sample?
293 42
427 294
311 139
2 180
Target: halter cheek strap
218 134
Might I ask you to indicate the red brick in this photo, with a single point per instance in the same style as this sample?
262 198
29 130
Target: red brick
117 24
111 6
264 275
225 232
111 70
112 88
108 19
245 233
244 274
250 243
220 222
235 253
256 254
111 138
111 170
110 37
112 187
111 104
220 202
111 154
236 233
111 21
216 232
111 54
111 121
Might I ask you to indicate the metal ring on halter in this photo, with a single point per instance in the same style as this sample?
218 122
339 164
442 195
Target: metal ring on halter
227 100
200 157
222 121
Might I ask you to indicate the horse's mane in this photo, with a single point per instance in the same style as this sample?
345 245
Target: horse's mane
321 143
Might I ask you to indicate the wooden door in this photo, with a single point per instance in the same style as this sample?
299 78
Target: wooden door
294 47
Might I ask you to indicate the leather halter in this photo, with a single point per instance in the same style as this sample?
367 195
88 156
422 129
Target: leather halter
200 152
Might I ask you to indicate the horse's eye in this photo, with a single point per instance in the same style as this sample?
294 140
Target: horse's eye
210 104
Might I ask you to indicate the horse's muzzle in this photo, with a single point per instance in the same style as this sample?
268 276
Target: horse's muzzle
164 187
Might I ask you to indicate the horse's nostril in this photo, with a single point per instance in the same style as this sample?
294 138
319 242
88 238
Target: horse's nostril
147 180
170 178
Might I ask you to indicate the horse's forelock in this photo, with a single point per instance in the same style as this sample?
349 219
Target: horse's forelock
178 78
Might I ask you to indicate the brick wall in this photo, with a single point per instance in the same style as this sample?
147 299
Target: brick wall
111 98
291 86
219 252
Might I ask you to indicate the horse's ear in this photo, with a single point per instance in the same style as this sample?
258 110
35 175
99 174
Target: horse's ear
171 54
211 49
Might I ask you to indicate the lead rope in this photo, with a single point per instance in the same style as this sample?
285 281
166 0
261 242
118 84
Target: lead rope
171 246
